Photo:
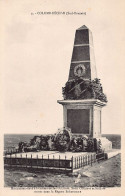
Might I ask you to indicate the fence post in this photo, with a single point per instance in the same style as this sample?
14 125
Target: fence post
83 161
72 164
5 159
75 163
31 160
79 163
26 160
15 161
98 158
59 162
65 162
91 159
37 161
86 159
21 160
53 161
42 160
10 159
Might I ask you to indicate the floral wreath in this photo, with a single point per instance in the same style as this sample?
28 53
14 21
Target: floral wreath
63 139
80 66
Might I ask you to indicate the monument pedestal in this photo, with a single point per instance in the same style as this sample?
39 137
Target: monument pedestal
84 118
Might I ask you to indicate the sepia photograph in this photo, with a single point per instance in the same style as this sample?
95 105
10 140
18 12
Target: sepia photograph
61 95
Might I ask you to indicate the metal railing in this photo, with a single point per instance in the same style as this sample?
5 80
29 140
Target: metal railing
43 162
38 162
9 151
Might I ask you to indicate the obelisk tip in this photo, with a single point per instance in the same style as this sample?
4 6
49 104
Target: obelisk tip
82 27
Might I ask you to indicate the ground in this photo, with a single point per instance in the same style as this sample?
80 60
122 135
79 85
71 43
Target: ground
104 174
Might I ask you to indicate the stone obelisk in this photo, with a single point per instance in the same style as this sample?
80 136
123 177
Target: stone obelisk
83 55
83 92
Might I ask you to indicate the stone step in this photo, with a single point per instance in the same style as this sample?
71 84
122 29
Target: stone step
112 153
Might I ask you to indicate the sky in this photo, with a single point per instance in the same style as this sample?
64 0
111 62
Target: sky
35 59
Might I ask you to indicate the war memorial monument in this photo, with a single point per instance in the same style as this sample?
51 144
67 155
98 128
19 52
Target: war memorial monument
83 93
79 142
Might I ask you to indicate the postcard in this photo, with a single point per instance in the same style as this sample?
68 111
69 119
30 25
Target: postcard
62 88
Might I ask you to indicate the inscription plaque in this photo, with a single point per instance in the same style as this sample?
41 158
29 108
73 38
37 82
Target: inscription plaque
78 120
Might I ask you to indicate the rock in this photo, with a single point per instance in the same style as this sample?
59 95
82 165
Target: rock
79 175
88 174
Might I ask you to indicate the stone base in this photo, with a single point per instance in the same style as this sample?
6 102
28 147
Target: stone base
112 153
106 144
83 116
